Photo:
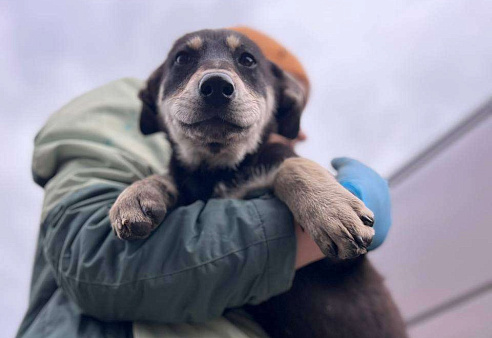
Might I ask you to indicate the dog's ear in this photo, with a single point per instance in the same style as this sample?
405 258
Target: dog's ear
149 119
292 95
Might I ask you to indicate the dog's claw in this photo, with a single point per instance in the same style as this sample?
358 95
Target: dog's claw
360 241
367 220
148 212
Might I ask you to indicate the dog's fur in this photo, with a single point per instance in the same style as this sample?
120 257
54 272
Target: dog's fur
218 99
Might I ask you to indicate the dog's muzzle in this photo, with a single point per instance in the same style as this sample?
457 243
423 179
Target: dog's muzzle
216 88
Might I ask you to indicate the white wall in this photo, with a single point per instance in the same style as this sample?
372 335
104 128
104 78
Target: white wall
437 256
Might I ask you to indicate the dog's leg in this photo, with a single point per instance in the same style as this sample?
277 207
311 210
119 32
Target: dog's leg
338 221
142 206
344 299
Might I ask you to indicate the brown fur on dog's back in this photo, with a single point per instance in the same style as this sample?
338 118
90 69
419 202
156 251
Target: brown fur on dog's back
348 299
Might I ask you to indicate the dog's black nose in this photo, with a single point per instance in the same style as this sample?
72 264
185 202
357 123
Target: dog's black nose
216 88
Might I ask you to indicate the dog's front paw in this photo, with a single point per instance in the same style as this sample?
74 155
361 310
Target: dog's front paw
139 209
338 221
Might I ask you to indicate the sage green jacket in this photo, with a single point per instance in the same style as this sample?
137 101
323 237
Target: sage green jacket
204 258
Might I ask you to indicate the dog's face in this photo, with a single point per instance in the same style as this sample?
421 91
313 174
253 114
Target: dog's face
217 96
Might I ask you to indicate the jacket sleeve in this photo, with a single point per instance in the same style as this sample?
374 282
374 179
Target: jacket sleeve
202 259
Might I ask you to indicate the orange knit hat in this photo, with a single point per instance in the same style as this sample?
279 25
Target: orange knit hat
276 53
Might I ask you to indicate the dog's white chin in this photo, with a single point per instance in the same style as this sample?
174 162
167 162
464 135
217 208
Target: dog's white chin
215 126
223 150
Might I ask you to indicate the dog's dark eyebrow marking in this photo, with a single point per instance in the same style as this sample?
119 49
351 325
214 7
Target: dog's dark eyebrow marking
195 43
233 42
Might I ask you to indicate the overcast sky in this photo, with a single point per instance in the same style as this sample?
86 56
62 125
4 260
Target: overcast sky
388 77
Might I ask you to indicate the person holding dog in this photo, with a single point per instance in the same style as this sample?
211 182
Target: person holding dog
88 283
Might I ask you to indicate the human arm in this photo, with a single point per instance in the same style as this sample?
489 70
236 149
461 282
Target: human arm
204 258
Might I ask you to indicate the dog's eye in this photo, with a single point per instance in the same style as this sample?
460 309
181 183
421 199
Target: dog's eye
247 60
183 58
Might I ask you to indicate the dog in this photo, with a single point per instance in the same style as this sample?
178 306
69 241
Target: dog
218 99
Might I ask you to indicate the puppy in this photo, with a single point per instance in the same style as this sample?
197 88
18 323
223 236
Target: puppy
218 99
